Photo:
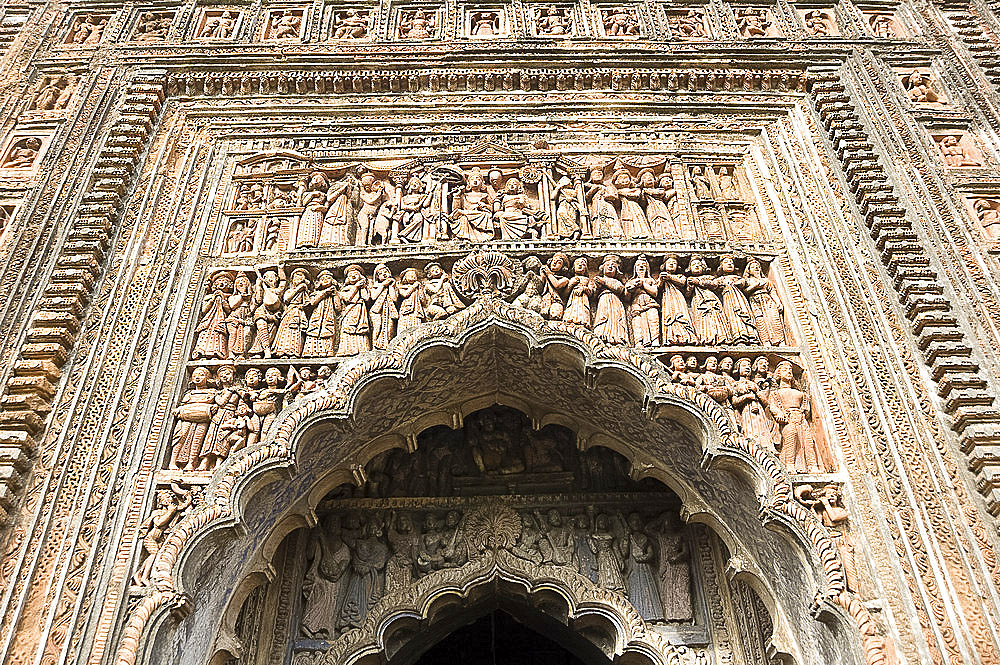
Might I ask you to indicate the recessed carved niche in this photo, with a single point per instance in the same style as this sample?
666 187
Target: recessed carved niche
756 22
958 149
284 24
22 153
819 22
221 24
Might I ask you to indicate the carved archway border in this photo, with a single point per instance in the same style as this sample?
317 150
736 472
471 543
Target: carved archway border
778 506
581 595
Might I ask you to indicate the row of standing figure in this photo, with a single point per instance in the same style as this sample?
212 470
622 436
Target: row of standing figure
673 308
769 409
218 417
301 318
357 558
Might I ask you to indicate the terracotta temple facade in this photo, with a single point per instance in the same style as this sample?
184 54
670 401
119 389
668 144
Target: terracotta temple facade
575 332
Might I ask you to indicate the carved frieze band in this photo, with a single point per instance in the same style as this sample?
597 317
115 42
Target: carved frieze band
944 346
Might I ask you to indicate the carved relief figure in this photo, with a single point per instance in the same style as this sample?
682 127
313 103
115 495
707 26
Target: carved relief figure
152 26
818 23
610 321
350 24
604 199
314 199
339 213
87 30
701 184
239 322
566 225
194 416
290 336
170 505
764 304
883 25
473 209
736 310
955 154
800 452
514 216
689 25
53 94
675 572
285 25
641 577
607 549
484 24
325 580
265 402
411 294
643 309
675 316
620 22
414 221
557 544
218 25
661 204
920 87
230 428
580 289
22 154
827 502
729 188
211 330
754 22
717 386
404 544
353 298
321 331
417 24
442 300
988 212
553 21
384 314
750 402
369 556
555 286
707 316
633 219
269 292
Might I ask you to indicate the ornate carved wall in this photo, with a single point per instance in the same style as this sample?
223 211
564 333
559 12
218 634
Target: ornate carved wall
667 328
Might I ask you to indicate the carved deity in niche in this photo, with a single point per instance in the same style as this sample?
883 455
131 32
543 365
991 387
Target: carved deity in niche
341 197
87 30
800 452
633 220
553 21
472 215
701 184
22 154
689 25
640 567
956 154
884 26
608 552
819 23
513 214
920 87
350 24
755 22
988 213
620 22
411 300
152 26
368 229
603 197
417 24
313 198
285 24
484 24
365 580
414 221
53 94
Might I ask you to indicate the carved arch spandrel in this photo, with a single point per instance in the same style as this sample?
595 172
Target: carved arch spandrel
237 480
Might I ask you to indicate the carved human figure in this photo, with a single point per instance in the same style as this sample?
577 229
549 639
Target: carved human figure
268 296
339 217
675 315
442 300
675 571
557 544
313 199
228 398
955 154
603 198
194 416
610 319
417 24
883 25
527 546
285 25
753 22
765 305
620 22
152 26
264 400
239 240
302 382
566 225
53 93
640 572
678 371
580 289
818 23
170 505
472 216
633 219
321 332
643 308
22 154
223 28
350 24
383 312
701 184
430 556
513 214
729 187
689 25
750 403
661 203
740 321
365 583
553 21
716 385
210 333
988 212
414 222
411 304
555 286
919 87
325 580
456 550
290 336
585 558
707 317
484 24
828 504
404 545
530 296
800 452
608 550
87 30
239 322
352 302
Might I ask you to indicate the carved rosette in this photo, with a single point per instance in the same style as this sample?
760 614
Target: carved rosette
487 274
493 527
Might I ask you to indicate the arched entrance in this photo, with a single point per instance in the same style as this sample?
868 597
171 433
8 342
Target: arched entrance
440 375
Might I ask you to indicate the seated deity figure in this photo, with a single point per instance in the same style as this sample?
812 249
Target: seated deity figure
473 214
351 25
553 21
442 300
418 25
514 217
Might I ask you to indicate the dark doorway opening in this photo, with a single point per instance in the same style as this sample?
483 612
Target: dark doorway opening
497 638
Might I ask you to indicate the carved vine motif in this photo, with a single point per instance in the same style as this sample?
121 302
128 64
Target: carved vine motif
488 193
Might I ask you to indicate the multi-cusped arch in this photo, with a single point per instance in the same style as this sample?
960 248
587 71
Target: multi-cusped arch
439 372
